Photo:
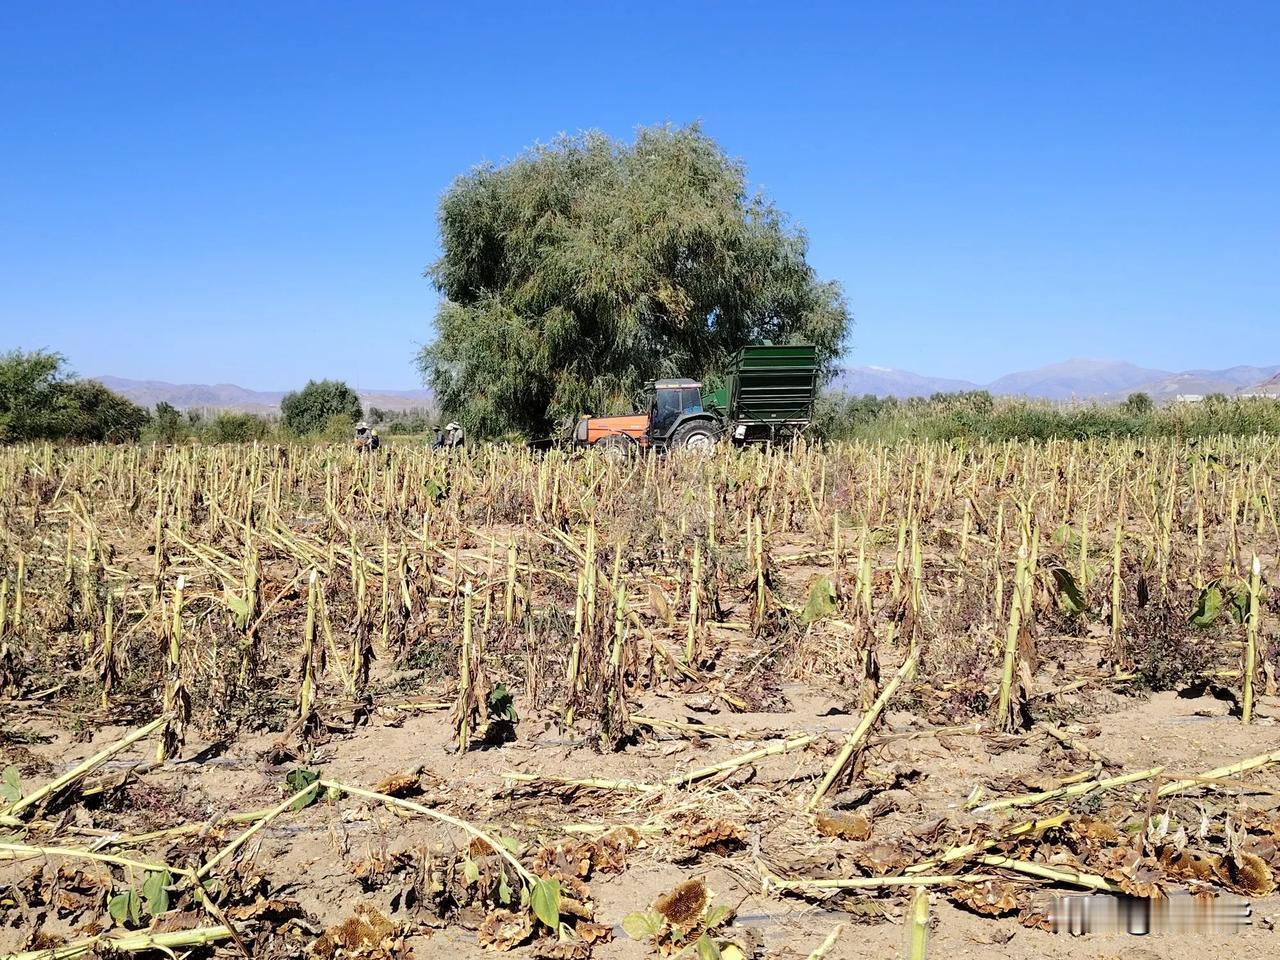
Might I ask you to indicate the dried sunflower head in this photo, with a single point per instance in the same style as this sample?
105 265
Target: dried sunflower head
683 906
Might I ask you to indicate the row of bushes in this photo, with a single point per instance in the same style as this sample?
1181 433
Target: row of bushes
979 416
41 400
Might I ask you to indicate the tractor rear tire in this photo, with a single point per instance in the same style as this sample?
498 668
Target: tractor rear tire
696 436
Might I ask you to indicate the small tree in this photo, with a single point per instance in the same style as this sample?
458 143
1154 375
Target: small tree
1139 403
167 425
583 268
28 383
310 409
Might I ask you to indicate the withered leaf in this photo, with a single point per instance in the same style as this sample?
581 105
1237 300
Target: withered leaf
176 921
1094 830
504 930
594 933
718 837
1142 879
992 898
399 785
847 826
883 858
550 949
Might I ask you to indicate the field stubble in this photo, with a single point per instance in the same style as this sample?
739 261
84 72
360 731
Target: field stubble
568 708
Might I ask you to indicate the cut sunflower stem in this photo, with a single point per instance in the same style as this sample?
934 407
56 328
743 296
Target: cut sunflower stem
860 732
71 776
1076 878
1074 790
163 942
462 825
1207 778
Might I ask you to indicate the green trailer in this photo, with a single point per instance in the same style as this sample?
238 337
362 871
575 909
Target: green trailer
767 395
768 392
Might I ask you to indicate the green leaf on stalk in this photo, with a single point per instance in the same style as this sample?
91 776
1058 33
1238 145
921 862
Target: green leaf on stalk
1068 591
155 893
642 925
238 606
545 901
125 908
10 786
707 949
1210 606
470 870
298 780
822 601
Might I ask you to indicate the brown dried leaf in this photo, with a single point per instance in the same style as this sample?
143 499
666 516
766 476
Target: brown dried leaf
1094 830
274 909
1143 879
581 858
400 785
177 921
550 949
719 837
847 826
594 933
992 898
1264 848
504 930
883 858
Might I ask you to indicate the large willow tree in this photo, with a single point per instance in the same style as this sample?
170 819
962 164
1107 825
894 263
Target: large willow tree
578 271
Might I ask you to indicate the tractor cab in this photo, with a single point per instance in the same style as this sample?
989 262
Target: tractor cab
672 399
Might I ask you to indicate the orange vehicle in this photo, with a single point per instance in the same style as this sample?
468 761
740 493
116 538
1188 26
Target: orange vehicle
675 418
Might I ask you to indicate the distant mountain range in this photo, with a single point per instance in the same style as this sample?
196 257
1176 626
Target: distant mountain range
1079 379
228 396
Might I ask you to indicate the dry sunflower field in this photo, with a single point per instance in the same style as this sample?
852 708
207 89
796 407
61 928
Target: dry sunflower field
844 701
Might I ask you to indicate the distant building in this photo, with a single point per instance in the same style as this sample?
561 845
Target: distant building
1188 398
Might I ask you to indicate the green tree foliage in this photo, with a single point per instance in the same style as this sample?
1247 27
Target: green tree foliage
230 427
1139 403
167 425
310 409
39 400
581 269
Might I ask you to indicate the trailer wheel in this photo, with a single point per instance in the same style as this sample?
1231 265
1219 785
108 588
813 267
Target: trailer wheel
616 448
697 436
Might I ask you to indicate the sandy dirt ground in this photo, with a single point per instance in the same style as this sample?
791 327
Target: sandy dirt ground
313 855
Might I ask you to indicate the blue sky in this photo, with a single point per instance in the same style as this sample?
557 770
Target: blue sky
245 192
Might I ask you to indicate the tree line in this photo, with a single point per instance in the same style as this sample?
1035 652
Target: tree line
40 399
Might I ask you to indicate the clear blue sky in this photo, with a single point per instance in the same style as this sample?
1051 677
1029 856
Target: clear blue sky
245 192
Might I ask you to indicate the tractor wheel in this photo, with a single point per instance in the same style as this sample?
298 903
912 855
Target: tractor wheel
698 436
615 449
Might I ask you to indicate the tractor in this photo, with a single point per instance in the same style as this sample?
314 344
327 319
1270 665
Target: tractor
767 396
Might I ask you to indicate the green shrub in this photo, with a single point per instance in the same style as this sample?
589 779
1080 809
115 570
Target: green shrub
311 409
